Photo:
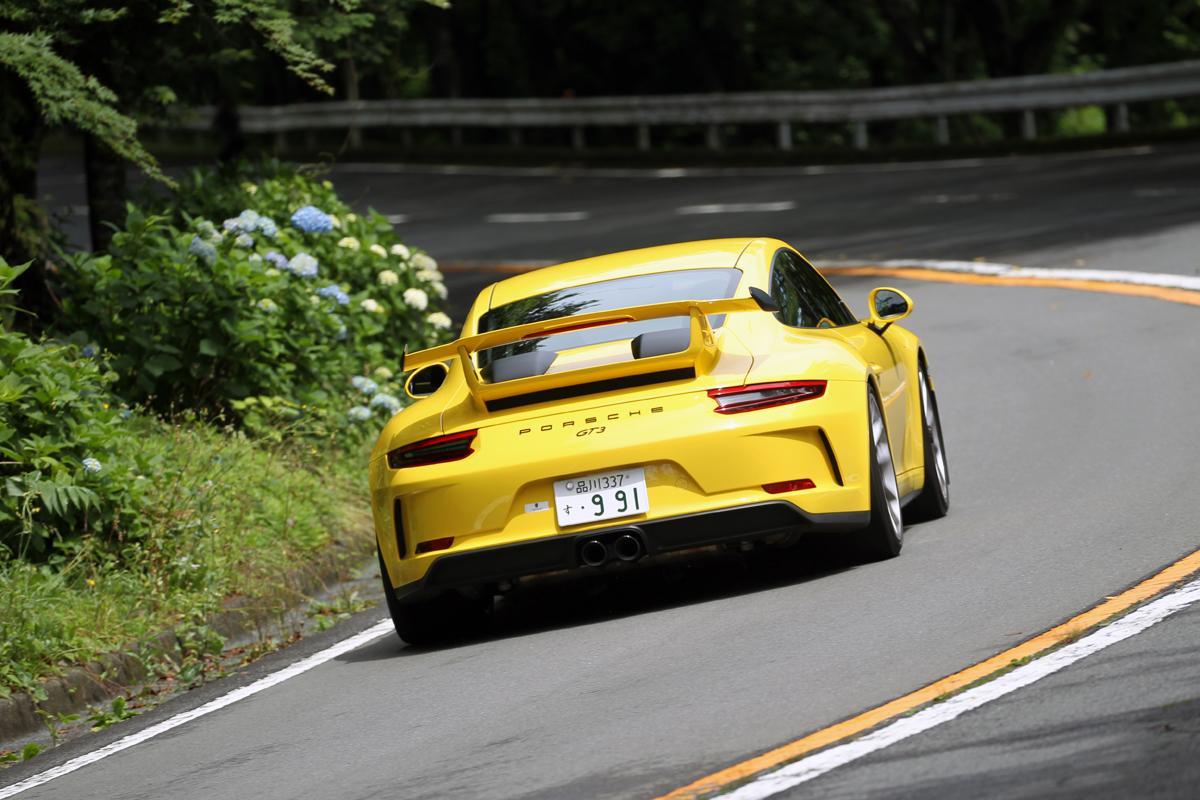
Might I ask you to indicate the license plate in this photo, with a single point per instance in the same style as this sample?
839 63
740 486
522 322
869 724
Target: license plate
600 496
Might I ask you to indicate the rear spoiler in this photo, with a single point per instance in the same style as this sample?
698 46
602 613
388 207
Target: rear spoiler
701 346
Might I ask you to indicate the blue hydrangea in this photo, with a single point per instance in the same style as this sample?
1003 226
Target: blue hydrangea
359 414
203 250
126 413
342 334
267 227
364 385
206 229
279 260
91 465
244 240
311 219
334 292
89 351
385 401
302 265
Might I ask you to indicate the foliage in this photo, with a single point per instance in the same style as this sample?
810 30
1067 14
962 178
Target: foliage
118 711
60 438
262 316
219 514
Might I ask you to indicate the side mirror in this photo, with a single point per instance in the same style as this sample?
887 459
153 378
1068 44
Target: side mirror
426 380
887 306
764 300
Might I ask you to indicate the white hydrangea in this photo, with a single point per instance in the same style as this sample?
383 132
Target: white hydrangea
352 217
254 258
401 251
438 320
429 275
371 306
333 220
416 298
384 374
379 250
424 261
388 278
439 289
349 242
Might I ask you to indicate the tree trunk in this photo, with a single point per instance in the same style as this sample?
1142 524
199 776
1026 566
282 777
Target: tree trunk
25 232
106 190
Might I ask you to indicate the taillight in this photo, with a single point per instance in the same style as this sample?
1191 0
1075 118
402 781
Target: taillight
451 447
736 399
797 485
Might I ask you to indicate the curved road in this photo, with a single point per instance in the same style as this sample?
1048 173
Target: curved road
1070 423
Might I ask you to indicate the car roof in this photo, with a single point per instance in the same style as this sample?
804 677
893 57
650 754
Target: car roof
710 253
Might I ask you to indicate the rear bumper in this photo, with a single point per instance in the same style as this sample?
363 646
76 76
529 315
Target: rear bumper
505 562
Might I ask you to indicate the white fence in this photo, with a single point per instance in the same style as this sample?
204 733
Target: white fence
1111 88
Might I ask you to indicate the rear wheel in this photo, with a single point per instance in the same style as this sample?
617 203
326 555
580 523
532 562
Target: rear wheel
934 500
884 536
444 617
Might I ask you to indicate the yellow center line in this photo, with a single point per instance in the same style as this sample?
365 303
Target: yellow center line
1172 295
1067 631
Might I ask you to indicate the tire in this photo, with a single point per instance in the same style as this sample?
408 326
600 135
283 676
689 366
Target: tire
934 500
442 618
884 535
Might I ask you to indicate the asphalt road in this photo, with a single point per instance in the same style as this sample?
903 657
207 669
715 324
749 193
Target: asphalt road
1070 426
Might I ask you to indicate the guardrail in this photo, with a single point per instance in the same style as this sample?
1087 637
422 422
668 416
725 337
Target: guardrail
1112 88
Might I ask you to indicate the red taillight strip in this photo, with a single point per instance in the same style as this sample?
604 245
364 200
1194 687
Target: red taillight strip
764 395
451 447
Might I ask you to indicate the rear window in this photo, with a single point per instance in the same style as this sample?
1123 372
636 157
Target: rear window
639 290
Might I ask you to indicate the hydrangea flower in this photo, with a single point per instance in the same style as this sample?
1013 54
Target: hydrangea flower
370 306
278 259
311 219
439 289
438 320
378 250
349 242
337 223
352 217
334 292
342 334
401 251
206 229
267 227
424 261
388 278
91 465
271 273
385 401
89 351
203 250
303 265
268 305
364 385
416 299
429 275
254 258
249 188
384 374
244 240
359 414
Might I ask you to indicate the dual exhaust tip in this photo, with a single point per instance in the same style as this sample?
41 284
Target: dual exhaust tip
626 547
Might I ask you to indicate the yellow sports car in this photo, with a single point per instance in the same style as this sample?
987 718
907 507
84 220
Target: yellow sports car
623 406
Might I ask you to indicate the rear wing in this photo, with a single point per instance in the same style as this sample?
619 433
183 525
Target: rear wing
701 345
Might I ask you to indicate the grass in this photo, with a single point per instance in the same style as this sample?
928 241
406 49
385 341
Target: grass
225 519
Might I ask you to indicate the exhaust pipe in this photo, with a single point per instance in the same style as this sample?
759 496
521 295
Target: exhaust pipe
628 548
593 553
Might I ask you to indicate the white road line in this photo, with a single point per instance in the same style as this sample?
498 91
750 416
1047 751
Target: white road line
814 766
737 208
547 216
303 665
1170 281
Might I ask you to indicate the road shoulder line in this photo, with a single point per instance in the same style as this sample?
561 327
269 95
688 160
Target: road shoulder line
1066 632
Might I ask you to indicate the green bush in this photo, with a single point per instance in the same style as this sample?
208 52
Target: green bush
61 442
266 316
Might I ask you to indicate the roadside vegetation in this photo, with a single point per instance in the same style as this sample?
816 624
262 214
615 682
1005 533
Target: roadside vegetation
191 427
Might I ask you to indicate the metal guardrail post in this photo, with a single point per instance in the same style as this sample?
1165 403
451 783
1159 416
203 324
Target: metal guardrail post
1028 125
783 135
577 140
514 136
862 138
943 130
712 136
1122 118
643 137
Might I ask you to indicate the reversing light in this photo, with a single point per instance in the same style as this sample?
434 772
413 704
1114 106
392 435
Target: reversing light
788 486
435 544
451 447
736 399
